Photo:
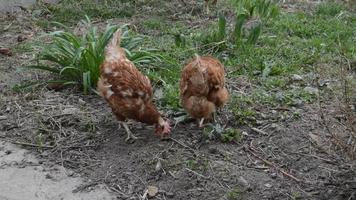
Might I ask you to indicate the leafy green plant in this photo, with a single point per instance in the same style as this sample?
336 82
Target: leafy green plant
233 194
250 15
230 135
329 8
76 59
216 131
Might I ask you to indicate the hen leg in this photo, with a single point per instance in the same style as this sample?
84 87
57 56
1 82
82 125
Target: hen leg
214 117
130 135
201 122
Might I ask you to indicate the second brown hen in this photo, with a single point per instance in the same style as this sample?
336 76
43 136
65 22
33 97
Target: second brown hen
202 87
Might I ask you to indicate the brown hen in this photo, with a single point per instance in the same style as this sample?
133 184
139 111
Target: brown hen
127 91
202 87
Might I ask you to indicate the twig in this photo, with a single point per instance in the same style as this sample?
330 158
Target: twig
259 131
182 144
30 144
251 151
85 186
144 196
196 173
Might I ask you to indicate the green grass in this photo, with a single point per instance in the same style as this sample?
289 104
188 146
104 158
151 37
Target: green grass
288 43
71 11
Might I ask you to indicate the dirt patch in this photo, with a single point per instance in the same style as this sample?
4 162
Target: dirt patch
186 166
17 5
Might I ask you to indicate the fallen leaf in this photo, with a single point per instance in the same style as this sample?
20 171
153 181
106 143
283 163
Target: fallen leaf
6 51
55 86
70 111
316 138
152 191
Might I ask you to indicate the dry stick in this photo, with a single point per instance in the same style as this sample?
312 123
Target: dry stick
259 131
196 173
30 144
251 151
182 144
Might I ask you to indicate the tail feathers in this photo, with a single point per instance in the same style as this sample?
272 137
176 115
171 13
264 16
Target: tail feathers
198 73
197 60
116 39
113 50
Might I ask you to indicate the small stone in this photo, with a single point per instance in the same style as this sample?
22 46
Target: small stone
268 185
70 172
152 191
244 133
311 90
49 176
6 51
170 194
81 101
243 181
158 166
296 77
297 102
274 175
305 169
279 96
7 152
276 127
213 150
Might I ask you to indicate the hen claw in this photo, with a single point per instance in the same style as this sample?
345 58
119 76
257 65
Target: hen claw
130 135
130 138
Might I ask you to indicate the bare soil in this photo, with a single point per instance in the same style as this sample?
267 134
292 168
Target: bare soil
286 158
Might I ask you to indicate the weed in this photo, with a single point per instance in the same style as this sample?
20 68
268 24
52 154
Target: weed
249 18
233 194
241 108
77 59
230 135
329 8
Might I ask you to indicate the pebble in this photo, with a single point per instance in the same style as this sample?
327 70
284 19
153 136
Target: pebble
276 127
268 185
158 166
170 194
297 102
152 191
296 77
311 90
274 175
213 150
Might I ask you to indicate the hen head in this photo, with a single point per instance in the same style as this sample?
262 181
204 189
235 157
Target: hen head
162 127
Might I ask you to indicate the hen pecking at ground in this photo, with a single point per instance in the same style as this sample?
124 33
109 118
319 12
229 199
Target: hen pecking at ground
127 91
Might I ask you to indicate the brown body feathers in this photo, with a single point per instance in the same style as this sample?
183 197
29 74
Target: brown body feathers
202 87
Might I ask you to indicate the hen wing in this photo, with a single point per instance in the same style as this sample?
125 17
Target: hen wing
127 89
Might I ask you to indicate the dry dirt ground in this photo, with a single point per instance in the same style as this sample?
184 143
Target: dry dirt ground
286 158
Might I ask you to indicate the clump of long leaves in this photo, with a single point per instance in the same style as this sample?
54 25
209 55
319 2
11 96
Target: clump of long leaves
250 15
76 59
